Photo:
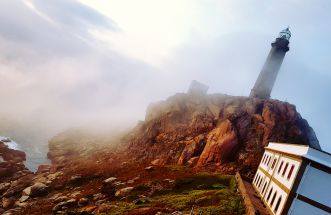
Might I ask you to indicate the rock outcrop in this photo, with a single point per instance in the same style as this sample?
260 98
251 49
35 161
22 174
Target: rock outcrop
222 143
14 176
11 163
209 133
215 130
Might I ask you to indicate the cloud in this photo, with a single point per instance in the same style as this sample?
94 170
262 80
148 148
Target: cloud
54 77
64 63
71 14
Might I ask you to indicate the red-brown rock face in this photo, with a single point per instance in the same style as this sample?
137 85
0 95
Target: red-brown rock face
216 129
221 144
11 164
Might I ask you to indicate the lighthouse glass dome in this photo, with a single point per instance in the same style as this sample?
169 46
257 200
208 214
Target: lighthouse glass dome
286 34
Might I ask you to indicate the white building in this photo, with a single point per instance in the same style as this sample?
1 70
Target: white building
294 179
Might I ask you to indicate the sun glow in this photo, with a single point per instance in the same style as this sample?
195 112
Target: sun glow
149 29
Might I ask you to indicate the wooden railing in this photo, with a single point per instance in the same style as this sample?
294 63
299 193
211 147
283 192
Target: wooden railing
249 208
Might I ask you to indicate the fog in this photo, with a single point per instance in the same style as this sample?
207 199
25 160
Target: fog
69 63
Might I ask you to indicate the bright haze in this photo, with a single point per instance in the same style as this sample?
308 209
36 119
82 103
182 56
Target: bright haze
69 63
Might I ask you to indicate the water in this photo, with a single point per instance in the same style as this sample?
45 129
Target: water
35 156
11 144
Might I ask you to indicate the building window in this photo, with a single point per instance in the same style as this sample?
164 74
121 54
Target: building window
285 168
269 161
280 167
265 185
273 199
260 183
274 163
278 203
264 156
269 194
257 180
290 173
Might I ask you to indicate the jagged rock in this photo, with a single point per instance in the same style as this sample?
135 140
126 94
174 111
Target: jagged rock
12 155
149 168
76 179
124 191
169 180
75 194
89 209
130 181
63 205
118 183
53 176
221 144
193 148
108 188
37 189
59 206
44 168
185 127
109 180
40 179
7 202
4 187
61 199
156 162
11 165
18 185
193 161
82 202
98 196
99 202
24 198
71 201
13 211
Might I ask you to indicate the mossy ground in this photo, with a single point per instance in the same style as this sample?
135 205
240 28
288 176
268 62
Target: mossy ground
207 193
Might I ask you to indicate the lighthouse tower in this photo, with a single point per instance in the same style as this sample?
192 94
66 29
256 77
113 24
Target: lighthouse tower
267 77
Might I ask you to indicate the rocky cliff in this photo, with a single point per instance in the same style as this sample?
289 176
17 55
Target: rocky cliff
11 163
156 168
216 130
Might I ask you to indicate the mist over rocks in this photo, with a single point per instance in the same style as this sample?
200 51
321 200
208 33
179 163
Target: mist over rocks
182 136
217 129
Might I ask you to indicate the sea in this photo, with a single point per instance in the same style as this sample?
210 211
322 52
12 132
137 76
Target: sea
35 155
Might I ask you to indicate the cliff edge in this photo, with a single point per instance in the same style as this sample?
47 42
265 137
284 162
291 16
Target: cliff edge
203 130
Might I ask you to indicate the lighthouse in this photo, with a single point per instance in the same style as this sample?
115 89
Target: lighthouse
267 77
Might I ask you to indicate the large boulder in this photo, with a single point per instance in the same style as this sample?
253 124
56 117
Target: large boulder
11 163
7 202
18 185
221 144
12 155
193 148
124 191
37 189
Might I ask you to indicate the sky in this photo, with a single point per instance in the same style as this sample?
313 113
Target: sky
66 63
